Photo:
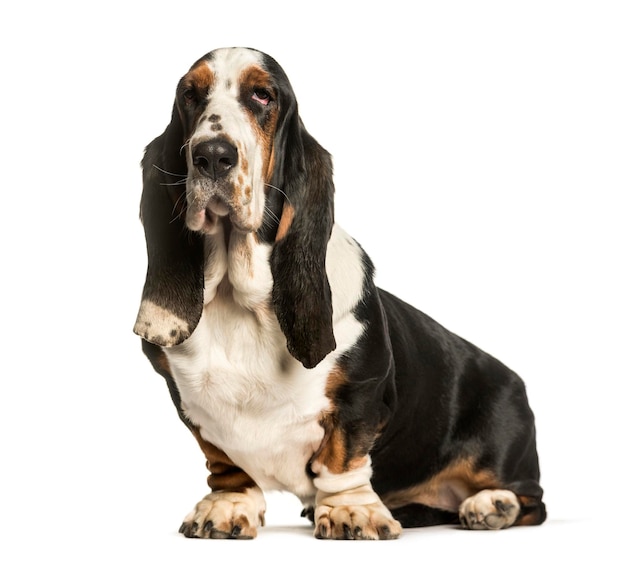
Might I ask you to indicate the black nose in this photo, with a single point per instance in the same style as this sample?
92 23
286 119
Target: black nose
214 159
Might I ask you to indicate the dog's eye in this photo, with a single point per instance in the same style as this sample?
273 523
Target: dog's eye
261 95
189 95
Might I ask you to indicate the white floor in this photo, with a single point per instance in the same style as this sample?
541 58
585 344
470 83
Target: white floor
152 536
556 540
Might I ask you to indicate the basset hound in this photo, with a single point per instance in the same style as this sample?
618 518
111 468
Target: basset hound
292 370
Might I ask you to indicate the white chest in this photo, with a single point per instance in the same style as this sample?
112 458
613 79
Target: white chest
249 397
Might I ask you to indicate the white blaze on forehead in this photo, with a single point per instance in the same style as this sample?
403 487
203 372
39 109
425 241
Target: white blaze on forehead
230 63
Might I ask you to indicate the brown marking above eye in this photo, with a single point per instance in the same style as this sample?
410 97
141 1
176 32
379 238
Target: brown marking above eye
197 82
255 82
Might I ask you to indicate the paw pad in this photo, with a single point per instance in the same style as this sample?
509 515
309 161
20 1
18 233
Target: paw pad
489 510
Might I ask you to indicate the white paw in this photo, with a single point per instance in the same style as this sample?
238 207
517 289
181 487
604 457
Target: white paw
489 510
224 515
347 508
358 522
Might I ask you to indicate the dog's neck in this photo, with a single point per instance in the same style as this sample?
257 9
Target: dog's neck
237 267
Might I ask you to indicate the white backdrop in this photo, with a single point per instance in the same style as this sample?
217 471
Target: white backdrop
479 156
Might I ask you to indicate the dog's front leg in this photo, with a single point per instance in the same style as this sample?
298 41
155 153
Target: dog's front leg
236 506
346 506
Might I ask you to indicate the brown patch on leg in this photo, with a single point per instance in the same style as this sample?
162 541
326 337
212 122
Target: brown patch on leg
447 489
225 475
342 448
334 452
532 511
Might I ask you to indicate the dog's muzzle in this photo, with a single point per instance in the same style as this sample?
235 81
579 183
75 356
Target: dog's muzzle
210 187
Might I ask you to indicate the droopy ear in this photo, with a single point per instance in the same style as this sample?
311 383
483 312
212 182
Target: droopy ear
171 303
302 296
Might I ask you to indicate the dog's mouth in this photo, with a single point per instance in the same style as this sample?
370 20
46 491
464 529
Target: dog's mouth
205 218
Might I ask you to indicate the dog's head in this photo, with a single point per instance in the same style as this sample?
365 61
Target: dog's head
236 150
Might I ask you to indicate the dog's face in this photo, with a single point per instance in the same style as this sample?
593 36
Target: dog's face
228 105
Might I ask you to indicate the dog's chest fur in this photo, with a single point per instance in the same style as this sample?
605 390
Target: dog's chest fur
237 381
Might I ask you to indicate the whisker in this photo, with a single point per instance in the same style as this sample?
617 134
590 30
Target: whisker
169 173
182 208
279 190
272 216
183 147
177 183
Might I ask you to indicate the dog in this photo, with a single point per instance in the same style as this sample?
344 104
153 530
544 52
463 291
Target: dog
292 370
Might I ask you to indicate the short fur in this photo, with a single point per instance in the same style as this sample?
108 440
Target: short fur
290 367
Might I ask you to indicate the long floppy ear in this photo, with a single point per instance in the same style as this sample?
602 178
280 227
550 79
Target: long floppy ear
301 294
171 303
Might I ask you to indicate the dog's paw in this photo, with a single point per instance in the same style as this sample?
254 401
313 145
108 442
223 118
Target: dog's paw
358 522
489 510
226 515
308 512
